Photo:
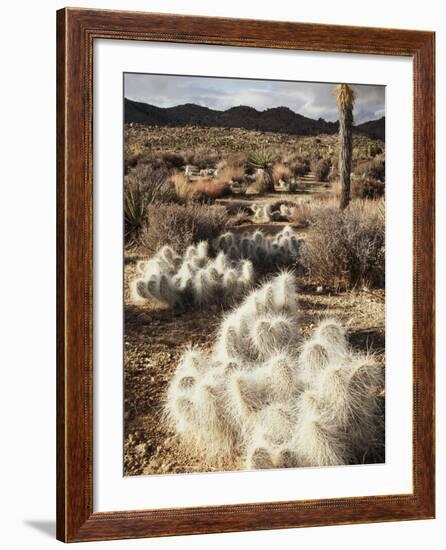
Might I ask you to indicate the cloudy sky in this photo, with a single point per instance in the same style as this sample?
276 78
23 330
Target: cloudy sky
313 100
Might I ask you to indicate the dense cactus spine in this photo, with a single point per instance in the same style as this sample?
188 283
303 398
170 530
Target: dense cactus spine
264 396
194 279
264 251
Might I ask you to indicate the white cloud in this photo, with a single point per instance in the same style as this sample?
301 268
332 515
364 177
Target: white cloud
310 99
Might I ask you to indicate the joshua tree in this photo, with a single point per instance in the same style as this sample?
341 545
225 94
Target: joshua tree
346 98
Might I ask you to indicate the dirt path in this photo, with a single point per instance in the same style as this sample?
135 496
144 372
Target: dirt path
313 189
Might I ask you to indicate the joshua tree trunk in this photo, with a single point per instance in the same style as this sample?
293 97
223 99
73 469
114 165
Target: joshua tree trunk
345 97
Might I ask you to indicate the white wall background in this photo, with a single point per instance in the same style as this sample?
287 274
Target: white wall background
27 399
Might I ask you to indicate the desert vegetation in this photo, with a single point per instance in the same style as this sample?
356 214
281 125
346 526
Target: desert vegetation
275 400
254 298
191 279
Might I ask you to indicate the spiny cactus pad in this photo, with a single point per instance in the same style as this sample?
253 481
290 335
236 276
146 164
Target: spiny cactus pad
276 402
192 279
263 250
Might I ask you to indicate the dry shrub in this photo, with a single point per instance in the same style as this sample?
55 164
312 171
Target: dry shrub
241 158
202 157
172 160
157 159
210 188
346 248
231 172
239 217
375 169
301 214
183 188
374 149
299 167
281 172
180 225
367 188
321 169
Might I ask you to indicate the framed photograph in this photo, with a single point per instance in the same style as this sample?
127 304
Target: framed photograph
245 275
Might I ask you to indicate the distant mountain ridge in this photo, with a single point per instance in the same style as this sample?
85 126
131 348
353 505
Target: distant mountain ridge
277 119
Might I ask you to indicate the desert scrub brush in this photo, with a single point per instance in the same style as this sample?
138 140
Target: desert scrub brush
192 279
262 395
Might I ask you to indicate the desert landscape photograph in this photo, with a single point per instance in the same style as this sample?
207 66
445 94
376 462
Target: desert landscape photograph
254 274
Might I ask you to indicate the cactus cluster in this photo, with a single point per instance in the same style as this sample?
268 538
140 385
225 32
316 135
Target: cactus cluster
263 250
265 397
265 213
192 279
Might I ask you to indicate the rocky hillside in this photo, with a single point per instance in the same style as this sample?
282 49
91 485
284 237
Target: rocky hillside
375 129
279 119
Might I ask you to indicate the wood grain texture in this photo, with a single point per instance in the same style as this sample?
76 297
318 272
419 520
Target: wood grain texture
76 31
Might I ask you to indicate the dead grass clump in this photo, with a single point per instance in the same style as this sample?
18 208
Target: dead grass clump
183 188
202 157
239 217
231 173
375 169
180 225
346 248
210 189
300 214
299 167
172 160
321 169
281 172
367 188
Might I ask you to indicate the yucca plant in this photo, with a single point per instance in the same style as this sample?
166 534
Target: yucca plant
144 185
262 160
345 97
135 208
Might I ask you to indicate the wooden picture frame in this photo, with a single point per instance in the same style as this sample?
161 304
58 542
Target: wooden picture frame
76 31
